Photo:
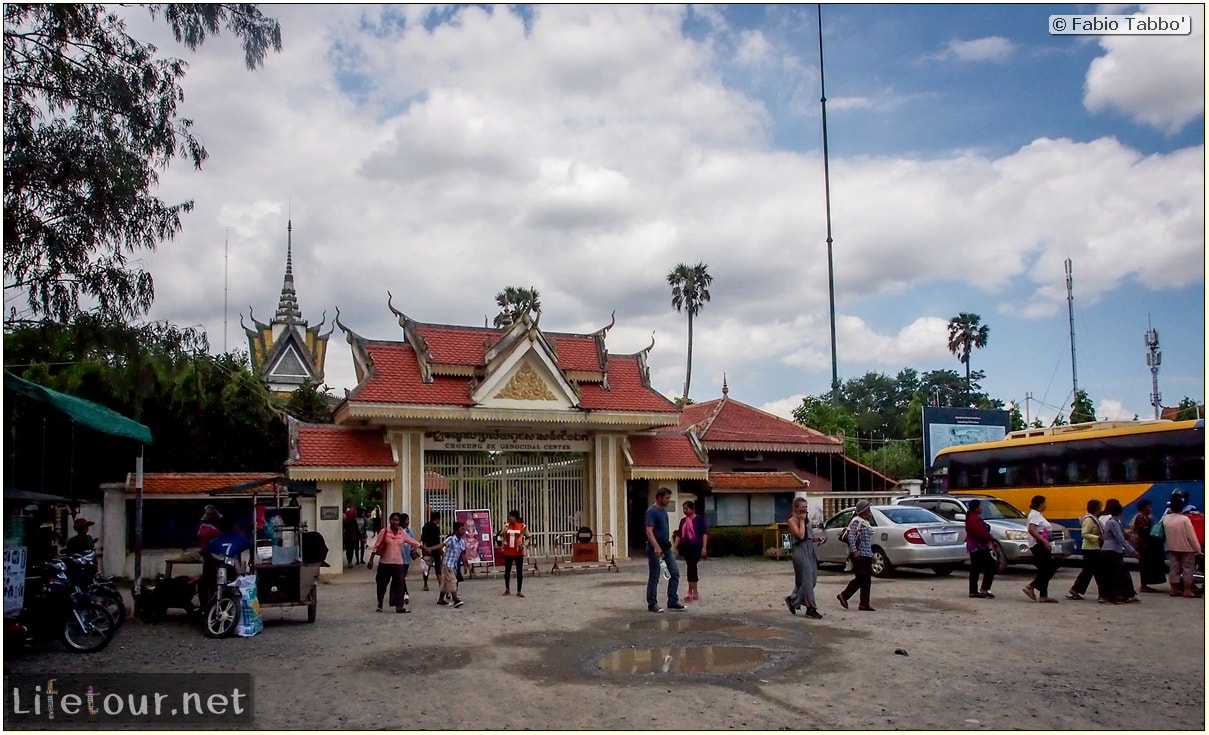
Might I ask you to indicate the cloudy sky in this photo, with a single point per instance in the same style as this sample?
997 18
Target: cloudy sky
442 154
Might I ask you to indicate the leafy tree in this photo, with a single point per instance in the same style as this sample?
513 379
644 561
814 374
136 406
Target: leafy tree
1082 410
90 119
310 403
820 414
1037 424
206 413
1189 409
690 291
1059 420
514 303
967 333
1017 418
896 459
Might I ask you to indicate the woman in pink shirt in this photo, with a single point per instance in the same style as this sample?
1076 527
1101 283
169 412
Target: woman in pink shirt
389 546
1182 548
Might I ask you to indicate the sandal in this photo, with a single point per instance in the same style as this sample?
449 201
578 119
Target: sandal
1047 599
987 594
843 602
1072 595
1032 594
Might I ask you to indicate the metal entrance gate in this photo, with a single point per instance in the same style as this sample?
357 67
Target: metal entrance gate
547 489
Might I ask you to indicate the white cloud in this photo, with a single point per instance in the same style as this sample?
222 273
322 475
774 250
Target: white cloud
784 407
991 48
1154 80
587 157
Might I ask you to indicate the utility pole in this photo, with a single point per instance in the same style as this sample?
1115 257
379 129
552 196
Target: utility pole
1154 358
1070 304
835 375
1028 396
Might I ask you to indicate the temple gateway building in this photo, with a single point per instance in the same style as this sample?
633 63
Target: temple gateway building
455 417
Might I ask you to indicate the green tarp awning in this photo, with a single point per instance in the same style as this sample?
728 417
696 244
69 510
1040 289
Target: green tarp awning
93 415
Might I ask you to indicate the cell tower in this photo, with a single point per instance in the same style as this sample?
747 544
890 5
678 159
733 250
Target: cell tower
1154 358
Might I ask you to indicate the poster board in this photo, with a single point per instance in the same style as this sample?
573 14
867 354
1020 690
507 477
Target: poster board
948 427
479 547
14 579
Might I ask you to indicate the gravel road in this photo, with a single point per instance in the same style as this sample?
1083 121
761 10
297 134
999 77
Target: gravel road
580 651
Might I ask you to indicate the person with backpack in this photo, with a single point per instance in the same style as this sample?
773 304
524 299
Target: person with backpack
1089 525
860 551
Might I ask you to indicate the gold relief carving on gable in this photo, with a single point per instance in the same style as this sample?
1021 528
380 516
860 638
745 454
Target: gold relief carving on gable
526 385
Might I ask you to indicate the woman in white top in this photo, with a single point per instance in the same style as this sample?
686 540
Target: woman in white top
1043 558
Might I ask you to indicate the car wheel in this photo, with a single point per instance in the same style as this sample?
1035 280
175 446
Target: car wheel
1001 564
881 563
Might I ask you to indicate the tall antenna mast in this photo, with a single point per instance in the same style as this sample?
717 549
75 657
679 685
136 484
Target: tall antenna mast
1070 305
835 375
1154 358
226 257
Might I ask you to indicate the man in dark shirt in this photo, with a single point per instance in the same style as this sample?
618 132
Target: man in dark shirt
81 543
430 536
659 546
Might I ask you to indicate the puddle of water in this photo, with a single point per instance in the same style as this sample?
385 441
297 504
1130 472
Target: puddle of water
753 633
684 661
678 625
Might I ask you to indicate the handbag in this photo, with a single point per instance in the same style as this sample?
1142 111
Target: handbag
1157 530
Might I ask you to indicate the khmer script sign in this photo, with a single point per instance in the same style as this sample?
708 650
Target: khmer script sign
486 441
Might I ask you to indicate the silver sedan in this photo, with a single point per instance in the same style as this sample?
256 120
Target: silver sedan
903 536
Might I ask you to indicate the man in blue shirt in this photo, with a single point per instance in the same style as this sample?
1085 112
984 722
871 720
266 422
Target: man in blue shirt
659 546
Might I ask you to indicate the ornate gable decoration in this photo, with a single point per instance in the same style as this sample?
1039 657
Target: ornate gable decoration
522 372
526 385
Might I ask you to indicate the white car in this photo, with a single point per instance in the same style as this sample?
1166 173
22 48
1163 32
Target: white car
903 536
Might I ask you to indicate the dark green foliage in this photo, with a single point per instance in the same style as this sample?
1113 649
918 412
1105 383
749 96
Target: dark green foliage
310 404
1189 409
90 119
515 302
1082 410
966 334
690 292
736 541
206 413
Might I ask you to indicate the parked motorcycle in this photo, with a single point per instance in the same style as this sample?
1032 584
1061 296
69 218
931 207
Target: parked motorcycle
83 573
223 607
55 608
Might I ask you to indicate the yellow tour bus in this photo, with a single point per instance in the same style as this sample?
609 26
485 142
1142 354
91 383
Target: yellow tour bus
1069 465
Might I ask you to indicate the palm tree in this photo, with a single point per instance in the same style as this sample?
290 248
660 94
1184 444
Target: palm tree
514 303
690 290
967 333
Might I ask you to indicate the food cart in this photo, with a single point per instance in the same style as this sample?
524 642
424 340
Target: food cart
286 557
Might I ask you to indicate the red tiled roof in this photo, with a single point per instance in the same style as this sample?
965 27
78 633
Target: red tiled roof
755 481
664 450
435 481
454 345
396 379
737 423
626 391
334 446
193 483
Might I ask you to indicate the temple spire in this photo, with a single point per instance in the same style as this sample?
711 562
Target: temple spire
725 390
287 306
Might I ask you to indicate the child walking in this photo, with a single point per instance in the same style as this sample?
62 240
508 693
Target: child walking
455 548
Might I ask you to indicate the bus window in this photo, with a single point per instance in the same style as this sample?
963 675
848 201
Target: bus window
1133 469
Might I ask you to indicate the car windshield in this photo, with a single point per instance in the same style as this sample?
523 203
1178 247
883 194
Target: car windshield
996 508
903 514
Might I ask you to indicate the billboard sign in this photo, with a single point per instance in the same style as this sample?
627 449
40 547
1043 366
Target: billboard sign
479 547
950 427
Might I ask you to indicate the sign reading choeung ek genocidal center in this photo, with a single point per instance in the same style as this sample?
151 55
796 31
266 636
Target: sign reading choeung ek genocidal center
487 441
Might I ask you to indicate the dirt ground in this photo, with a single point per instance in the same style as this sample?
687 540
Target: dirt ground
735 660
